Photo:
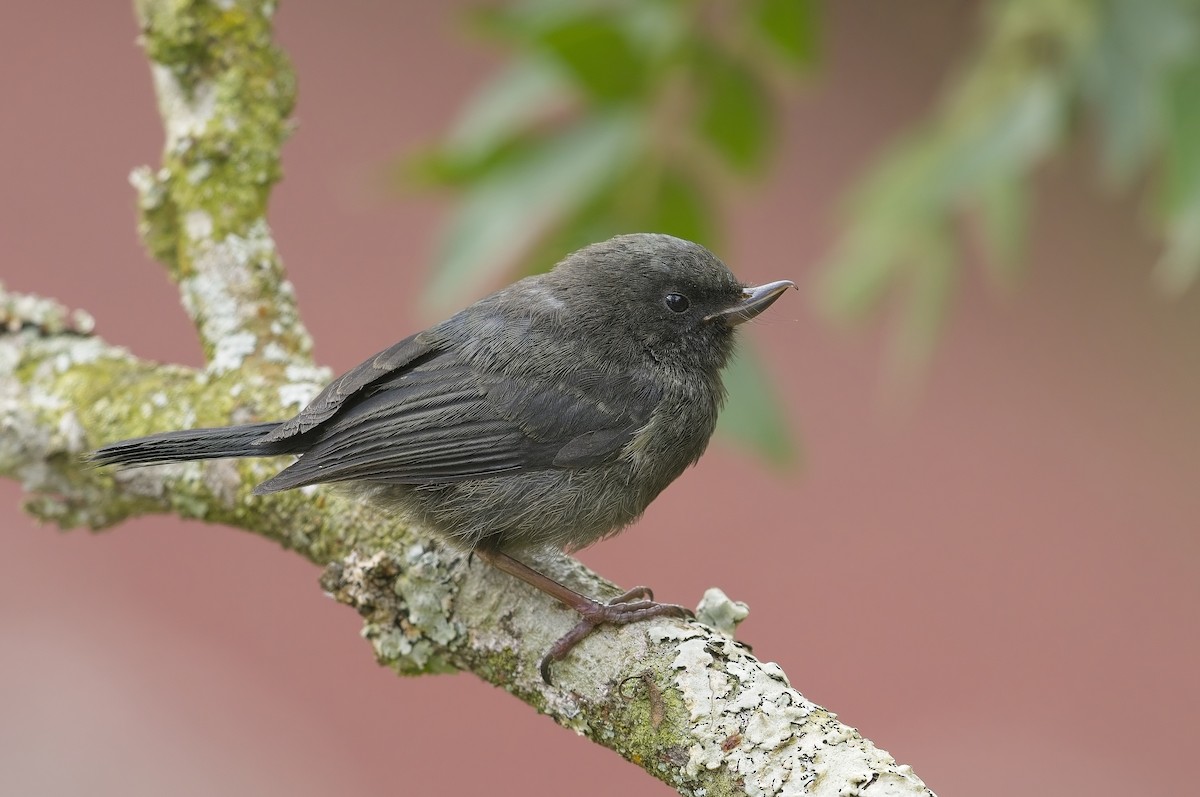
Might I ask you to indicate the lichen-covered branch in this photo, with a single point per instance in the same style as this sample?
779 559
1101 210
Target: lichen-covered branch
224 92
685 702
63 390
682 700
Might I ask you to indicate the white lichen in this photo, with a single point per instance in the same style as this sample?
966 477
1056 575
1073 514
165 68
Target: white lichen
70 436
718 611
199 172
17 423
221 292
231 351
745 717
274 353
82 352
427 594
303 383
20 311
198 225
82 321
186 111
151 186
414 630
10 358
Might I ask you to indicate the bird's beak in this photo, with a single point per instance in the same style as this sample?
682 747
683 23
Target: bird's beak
754 301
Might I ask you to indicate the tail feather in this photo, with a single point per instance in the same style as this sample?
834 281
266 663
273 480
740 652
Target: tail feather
189 444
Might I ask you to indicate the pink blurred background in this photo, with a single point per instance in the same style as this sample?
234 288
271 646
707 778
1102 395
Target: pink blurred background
996 580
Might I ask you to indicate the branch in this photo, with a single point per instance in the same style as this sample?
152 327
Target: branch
224 92
681 699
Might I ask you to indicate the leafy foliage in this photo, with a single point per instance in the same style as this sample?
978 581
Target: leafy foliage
616 116
1133 66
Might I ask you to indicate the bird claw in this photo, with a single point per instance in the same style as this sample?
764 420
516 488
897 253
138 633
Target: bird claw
633 606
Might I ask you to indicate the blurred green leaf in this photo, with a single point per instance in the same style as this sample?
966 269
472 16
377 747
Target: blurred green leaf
1141 42
1002 139
753 416
593 221
639 200
1181 175
654 28
509 209
1003 217
1180 265
735 116
446 168
891 205
1005 115
522 21
508 104
599 54
1135 63
932 278
659 29
494 127
857 275
791 26
680 209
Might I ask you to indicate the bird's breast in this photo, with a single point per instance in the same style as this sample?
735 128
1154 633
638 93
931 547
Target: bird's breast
675 436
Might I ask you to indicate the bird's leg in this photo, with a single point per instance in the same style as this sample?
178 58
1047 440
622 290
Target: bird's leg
633 606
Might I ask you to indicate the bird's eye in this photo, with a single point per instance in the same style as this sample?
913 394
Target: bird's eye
677 302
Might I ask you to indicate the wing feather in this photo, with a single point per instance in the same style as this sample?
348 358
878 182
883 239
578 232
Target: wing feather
434 419
337 393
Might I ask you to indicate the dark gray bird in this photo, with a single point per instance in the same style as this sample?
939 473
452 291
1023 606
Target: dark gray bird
550 413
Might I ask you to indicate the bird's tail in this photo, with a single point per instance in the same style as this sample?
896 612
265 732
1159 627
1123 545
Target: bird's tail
189 444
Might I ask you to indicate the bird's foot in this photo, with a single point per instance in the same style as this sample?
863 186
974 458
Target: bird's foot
634 606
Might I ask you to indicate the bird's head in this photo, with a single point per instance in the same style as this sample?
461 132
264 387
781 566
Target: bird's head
673 299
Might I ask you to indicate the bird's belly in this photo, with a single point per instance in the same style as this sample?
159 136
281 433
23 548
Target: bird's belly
537 509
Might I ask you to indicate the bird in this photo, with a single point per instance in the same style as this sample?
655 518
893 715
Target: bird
548 414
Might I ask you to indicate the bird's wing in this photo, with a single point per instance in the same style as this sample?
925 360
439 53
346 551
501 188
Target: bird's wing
443 421
406 354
